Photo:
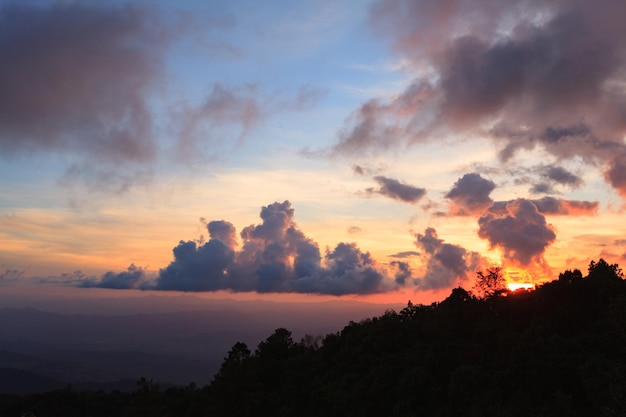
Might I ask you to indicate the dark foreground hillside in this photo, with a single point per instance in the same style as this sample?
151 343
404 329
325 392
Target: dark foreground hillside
557 351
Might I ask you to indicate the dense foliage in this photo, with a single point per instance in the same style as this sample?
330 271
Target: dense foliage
557 351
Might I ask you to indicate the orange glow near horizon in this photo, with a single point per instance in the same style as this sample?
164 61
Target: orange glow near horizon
518 279
514 286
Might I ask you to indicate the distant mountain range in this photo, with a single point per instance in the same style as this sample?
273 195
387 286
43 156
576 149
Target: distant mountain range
178 347
17 381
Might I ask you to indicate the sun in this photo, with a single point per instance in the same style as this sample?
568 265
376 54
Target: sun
514 286
517 279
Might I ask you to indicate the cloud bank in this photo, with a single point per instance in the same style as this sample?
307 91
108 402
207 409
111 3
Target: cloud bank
74 78
529 74
131 278
91 81
275 256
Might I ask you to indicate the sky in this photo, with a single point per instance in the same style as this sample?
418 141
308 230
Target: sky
381 150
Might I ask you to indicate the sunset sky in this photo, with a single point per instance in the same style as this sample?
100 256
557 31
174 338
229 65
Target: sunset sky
388 148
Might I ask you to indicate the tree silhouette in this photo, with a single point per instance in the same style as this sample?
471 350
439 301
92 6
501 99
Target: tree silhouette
234 362
490 283
570 276
605 270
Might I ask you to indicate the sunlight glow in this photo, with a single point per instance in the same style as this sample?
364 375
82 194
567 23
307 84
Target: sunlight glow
518 279
514 286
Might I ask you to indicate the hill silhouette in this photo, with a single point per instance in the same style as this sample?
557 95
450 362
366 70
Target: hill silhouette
556 351
16 381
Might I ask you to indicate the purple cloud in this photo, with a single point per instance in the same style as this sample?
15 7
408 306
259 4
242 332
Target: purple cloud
75 78
276 256
397 190
470 194
519 230
446 264
548 83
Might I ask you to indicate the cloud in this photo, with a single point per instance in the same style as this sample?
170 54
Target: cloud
227 109
519 230
403 271
397 190
541 188
276 256
539 81
11 275
554 206
223 231
75 78
201 267
531 74
131 278
358 169
446 264
562 176
222 108
354 230
405 254
88 81
552 175
347 271
616 174
380 124
470 194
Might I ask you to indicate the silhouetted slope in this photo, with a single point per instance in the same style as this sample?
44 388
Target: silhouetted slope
558 350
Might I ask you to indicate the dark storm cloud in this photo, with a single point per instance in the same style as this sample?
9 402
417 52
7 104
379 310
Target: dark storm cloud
519 230
546 74
397 190
276 256
470 194
74 78
446 265
131 278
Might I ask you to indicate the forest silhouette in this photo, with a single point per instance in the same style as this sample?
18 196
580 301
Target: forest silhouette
558 350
